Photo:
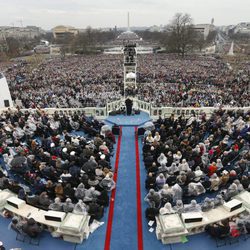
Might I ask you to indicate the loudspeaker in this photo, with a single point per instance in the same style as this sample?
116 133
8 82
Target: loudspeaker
15 202
6 103
55 216
232 205
192 217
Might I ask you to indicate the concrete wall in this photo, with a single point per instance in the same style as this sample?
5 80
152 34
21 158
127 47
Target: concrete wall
4 93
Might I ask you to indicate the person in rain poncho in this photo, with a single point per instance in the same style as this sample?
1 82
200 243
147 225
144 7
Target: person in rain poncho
91 194
240 187
207 204
198 174
184 166
153 198
80 191
218 201
166 194
57 205
177 192
215 182
219 164
192 207
107 183
68 206
179 207
173 168
80 208
232 191
167 209
162 159
195 189
160 181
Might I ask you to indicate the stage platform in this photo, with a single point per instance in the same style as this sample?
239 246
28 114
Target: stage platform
131 120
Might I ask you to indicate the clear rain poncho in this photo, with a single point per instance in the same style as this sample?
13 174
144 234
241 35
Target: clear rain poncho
57 205
177 192
192 207
107 183
68 206
80 208
162 159
195 189
167 209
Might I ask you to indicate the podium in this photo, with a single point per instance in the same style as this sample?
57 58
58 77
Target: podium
74 228
4 195
170 228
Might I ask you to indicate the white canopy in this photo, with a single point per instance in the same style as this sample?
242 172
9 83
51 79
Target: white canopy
131 75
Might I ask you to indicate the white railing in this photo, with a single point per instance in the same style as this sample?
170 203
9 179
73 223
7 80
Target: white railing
99 113
154 112
187 111
116 105
144 106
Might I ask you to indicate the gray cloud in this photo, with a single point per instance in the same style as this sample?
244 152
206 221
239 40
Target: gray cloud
103 13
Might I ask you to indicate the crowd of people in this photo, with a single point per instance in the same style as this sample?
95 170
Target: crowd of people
163 80
50 167
57 162
186 158
81 81
192 81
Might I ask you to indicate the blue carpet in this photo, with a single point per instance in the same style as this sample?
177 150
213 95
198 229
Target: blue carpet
124 230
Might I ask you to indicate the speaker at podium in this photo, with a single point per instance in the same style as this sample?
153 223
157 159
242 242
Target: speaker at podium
129 105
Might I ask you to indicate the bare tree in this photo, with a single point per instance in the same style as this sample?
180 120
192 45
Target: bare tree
13 46
182 35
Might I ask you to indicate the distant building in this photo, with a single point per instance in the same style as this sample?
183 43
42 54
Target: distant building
29 32
156 28
139 50
128 35
55 49
61 31
242 28
204 29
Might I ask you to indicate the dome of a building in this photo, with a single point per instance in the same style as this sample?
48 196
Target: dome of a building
128 35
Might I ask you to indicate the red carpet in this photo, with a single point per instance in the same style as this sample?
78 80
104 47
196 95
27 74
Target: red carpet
138 195
112 197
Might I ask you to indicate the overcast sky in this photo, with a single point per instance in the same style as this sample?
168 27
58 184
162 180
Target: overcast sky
108 13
